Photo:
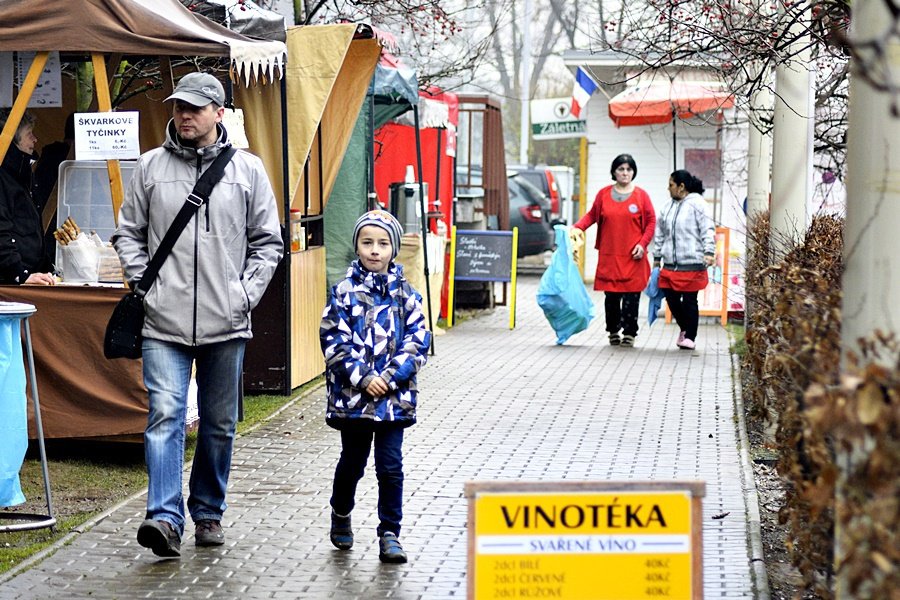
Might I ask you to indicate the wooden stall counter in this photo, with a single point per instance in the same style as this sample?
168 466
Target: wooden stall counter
82 394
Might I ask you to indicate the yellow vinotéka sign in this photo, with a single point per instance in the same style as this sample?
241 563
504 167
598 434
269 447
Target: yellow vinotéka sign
615 545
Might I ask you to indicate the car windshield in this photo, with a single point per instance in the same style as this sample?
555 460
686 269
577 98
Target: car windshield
535 178
534 194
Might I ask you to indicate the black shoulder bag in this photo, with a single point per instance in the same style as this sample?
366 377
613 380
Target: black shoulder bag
123 332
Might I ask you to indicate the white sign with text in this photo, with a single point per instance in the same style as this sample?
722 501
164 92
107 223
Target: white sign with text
551 118
107 136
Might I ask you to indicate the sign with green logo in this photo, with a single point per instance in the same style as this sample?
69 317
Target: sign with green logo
551 119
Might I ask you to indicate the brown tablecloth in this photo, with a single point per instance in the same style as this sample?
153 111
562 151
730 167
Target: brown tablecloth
82 394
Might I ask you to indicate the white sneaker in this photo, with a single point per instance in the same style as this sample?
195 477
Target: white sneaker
680 339
687 344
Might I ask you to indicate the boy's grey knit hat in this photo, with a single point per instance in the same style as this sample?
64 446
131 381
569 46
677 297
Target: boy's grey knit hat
385 220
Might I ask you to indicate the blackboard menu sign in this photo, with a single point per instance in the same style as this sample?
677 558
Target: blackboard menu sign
484 255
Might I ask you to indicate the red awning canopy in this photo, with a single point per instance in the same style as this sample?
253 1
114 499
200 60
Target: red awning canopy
658 100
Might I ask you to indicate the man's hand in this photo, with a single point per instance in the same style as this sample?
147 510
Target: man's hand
40 279
377 387
709 260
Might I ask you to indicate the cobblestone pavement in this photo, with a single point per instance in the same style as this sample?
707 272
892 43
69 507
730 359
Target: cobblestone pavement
496 405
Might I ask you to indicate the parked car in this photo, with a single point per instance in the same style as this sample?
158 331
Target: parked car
529 210
568 202
542 178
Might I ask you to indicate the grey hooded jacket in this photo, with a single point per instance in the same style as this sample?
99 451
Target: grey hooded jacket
225 257
684 234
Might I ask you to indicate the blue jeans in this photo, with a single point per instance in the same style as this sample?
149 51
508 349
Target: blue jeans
167 374
355 444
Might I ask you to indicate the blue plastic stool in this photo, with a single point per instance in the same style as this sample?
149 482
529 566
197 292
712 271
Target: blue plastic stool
20 310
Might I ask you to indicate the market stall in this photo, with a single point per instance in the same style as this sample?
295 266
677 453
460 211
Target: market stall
82 394
299 129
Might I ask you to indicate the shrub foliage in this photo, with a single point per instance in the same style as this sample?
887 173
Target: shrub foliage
837 434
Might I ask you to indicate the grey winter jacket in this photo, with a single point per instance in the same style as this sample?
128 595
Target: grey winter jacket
225 257
684 234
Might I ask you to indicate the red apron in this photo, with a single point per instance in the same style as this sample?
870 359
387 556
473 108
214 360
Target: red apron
621 229
683 281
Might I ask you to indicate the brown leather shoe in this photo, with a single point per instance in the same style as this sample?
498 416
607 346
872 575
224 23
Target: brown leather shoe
160 537
208 533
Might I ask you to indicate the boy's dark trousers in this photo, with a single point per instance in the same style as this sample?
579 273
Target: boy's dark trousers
355 444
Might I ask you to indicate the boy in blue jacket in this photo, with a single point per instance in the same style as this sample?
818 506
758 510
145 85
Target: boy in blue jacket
374 340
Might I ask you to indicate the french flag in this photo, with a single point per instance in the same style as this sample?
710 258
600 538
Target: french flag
584 87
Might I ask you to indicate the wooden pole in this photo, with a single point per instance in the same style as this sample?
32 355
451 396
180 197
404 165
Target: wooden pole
101 84
18 109
582 192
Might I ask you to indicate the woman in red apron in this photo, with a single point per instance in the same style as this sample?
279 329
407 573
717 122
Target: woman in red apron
685 244
625 222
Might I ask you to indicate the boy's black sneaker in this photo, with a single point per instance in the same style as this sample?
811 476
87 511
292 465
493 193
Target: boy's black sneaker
614 339
390 550
208 533
160 537
627 341
341 532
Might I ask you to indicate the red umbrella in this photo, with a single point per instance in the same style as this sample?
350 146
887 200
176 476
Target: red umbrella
658 101
661 100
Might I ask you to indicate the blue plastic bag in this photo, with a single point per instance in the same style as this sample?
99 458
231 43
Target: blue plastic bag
561 294
655 294
13 416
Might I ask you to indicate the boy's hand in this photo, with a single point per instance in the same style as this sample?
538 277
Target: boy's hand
377 387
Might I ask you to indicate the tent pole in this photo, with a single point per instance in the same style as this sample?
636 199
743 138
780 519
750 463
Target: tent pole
674 140
424 222
372 196
286 238
437 171
18 109
101 84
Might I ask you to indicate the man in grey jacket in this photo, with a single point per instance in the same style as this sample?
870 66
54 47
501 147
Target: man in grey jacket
198 309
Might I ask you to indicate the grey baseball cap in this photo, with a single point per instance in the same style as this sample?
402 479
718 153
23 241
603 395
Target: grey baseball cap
199 89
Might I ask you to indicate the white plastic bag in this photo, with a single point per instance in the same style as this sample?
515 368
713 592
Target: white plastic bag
80 260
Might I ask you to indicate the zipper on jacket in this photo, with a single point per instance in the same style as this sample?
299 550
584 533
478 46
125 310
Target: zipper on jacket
674 227
196 253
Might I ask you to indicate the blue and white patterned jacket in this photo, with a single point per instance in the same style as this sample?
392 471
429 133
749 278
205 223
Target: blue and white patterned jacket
373 326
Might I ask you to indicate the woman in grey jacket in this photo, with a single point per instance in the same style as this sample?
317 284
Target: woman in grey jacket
685 244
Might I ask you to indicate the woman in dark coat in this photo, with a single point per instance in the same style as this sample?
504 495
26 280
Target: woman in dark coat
22 257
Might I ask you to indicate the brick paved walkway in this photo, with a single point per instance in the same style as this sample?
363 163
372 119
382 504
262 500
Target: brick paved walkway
496 405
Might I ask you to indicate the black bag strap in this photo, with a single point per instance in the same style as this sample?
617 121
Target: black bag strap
200 194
